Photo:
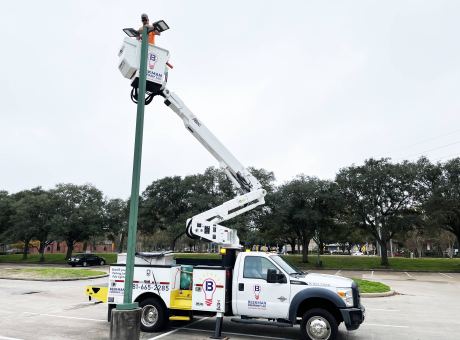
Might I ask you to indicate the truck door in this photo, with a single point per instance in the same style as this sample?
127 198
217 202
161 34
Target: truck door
255 296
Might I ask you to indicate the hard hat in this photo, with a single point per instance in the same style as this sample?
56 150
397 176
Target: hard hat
143 15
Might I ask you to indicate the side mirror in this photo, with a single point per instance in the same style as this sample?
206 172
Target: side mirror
274 277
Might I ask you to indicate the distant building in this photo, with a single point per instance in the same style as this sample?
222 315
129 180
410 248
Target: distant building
61 248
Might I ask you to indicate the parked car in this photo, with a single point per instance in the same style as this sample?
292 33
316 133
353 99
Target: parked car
357 253
86 260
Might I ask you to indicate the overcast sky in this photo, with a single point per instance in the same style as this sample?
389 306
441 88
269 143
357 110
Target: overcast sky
289 86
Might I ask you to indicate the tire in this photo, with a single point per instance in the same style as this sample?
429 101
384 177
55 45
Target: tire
85 264
318 324
101 263
73 265
153 316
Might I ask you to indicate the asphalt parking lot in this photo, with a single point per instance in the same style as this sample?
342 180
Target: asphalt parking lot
426 308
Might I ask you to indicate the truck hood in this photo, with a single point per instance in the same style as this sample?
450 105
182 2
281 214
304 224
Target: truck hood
324 280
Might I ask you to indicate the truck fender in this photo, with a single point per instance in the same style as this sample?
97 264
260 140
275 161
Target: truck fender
308 293
147 295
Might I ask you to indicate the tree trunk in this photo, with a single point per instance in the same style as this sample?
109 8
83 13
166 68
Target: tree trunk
305 243
69 249
122 241
292 246
384 258
456 232
174 241
26 249
41 250
321 248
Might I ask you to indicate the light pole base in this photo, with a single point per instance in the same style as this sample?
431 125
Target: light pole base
125 324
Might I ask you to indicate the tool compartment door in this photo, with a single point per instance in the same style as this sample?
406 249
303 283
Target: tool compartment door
208 289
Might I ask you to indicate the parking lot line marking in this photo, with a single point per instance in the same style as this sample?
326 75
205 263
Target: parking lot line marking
372 274
232 333
178 329
66 317
383 325
450 277
410 276
338 272
383 310
6 338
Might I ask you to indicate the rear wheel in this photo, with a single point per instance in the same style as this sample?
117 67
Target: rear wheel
318 324
153 316
85 264
102 263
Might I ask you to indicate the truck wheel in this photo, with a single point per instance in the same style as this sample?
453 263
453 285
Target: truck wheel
153 316
318 324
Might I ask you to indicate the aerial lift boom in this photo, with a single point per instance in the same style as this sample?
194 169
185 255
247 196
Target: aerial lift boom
251 193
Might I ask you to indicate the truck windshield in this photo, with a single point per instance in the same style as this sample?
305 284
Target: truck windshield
288 268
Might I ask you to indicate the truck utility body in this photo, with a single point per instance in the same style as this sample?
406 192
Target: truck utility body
253 287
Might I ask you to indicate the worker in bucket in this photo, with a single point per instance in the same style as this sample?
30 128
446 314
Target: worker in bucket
146 23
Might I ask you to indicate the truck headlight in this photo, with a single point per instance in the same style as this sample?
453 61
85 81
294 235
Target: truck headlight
347 296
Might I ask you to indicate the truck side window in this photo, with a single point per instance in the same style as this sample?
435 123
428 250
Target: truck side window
256 267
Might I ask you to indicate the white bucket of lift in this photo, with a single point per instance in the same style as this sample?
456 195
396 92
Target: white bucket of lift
129 54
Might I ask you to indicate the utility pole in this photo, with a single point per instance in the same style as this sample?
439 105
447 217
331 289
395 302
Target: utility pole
125 322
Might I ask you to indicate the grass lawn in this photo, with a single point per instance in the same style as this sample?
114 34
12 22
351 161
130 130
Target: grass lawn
366 286
373 262
50 258
361 262
47 273
343 262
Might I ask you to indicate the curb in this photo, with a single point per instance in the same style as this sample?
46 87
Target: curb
65 279
374 295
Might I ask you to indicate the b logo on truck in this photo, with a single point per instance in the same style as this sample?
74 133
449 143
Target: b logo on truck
209 287
256 289
152 60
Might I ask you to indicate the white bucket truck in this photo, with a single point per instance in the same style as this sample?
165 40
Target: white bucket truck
254 287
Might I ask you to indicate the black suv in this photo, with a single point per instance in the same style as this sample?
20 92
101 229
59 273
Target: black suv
86 260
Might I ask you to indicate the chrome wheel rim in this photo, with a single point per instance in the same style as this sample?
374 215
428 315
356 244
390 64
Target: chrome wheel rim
318 328
149 315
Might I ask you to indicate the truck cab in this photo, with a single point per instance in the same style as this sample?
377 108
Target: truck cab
266 286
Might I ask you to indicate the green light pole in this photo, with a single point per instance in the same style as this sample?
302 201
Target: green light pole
134 203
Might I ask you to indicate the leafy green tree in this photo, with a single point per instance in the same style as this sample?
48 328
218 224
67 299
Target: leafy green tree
116 213
272 227
33 210
79 213
168 202
381 198
303 207
5 210
164 205
442 206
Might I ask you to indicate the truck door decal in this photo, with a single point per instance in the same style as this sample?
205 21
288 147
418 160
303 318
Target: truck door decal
256 289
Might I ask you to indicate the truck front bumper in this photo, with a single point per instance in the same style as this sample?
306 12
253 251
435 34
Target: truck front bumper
353 317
